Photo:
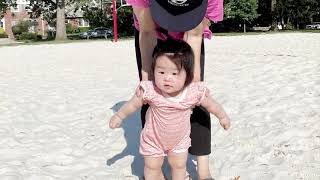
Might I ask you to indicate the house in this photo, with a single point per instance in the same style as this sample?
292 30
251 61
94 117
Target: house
75 17
21 13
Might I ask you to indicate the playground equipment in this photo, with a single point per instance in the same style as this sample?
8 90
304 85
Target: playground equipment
115 9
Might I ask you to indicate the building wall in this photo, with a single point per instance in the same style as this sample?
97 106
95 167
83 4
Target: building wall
13 18
77 22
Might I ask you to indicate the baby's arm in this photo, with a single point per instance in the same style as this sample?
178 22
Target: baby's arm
128 108
215 108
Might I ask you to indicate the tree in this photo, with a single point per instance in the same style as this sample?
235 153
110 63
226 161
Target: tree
98 16
61 33
3 7
102 15
244 11
4 4
264 11
296 12
55 9
273 14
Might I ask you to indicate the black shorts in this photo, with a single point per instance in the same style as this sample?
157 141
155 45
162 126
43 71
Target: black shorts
200 118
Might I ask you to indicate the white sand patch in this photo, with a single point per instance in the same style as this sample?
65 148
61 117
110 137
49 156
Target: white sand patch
55 101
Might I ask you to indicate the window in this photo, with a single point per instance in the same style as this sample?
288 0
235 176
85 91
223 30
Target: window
13 23
83 23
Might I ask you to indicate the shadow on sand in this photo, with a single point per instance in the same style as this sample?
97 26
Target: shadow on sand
132 128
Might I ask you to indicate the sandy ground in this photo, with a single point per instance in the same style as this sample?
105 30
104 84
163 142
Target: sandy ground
55 102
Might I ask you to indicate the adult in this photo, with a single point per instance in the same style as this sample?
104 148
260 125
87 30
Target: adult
155 21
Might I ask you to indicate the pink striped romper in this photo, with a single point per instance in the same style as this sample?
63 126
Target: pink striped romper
167 127
214 13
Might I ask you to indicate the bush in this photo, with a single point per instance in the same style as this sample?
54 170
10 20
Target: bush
2 33
125 22
82 29
21 27
28 36
289 26
70 29
51 35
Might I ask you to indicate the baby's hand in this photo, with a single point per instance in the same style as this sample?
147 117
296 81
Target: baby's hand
115 122
225 122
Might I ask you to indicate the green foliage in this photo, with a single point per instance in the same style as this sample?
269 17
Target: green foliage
70 28
297 12
4 4
3 33
97 17
44 8
28 36
125 22
104 18
21 27
82 29
241 10
3 7
265 15
289 26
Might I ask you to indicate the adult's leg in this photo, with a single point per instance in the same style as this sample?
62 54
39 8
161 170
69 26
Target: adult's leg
201 132
152 168
178 164
145 107
147 39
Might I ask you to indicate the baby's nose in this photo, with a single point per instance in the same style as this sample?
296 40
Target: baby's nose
168 77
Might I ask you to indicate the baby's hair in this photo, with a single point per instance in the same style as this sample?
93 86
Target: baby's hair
179 52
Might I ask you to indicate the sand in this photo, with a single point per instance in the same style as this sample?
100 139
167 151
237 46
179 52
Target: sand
56 101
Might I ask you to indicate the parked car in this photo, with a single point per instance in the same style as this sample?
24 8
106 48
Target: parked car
99 32
313 26
86 35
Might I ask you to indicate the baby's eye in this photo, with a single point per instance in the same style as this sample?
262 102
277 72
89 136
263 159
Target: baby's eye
174 74
161 72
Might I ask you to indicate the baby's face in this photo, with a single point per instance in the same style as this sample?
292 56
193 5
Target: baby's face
168 78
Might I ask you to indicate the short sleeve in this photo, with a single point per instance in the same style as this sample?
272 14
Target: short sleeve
148 91
215 10
198 91
139 3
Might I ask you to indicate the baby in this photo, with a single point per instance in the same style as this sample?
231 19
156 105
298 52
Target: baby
171 96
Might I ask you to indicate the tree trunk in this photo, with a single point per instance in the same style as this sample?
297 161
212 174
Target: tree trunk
273 14
61 25
244 27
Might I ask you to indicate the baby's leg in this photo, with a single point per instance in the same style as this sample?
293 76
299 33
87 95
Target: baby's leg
178 164
152 168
